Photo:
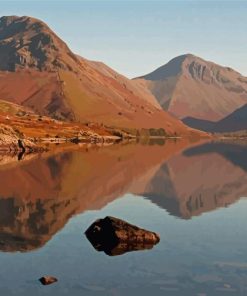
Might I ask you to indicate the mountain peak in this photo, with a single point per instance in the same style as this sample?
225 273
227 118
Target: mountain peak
13 18
189 86
18 24
172 68
26 42
10 19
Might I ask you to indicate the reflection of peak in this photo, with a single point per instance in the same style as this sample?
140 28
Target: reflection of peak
160 191
49 190
235 153
199 181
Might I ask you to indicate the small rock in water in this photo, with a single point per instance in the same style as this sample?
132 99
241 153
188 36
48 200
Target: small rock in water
116 237
47 280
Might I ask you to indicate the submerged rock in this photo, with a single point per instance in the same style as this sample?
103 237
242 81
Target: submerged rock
48 280
116 237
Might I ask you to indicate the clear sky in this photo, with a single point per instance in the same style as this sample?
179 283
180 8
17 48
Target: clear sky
135 37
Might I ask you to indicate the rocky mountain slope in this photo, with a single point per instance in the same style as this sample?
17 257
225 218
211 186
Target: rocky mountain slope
38 70
189 86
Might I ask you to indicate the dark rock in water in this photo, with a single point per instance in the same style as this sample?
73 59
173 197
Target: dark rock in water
116 237
47 280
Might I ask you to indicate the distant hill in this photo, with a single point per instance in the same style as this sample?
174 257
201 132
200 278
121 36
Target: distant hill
190 87
236 121
39 71
204 125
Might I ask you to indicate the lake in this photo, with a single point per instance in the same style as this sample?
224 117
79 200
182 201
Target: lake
192 194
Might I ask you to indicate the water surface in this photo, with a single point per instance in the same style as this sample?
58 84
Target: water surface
191 194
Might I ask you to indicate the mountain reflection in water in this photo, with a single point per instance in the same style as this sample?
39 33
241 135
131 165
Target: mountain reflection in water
38 196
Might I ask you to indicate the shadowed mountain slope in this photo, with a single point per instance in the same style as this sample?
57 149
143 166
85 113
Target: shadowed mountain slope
236 121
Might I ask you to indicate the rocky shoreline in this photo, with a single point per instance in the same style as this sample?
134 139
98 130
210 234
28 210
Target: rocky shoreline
11 141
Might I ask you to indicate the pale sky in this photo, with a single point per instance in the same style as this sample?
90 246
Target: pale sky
135 37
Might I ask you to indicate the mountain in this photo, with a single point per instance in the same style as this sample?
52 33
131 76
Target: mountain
201 124
39 71
236 121
190 87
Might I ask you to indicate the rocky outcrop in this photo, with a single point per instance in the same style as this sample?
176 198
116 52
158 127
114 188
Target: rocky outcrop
115 236
48 280
12 140
26 42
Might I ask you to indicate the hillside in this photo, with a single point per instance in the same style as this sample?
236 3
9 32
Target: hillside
190 87
234 122
39 71
36 131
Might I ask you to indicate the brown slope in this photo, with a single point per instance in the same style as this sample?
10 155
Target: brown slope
38 70
189 86
20 123
133 86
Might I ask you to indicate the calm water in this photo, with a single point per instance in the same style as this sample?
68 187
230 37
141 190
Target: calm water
193 196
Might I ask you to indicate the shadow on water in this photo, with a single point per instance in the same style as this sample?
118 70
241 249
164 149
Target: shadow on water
40 195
